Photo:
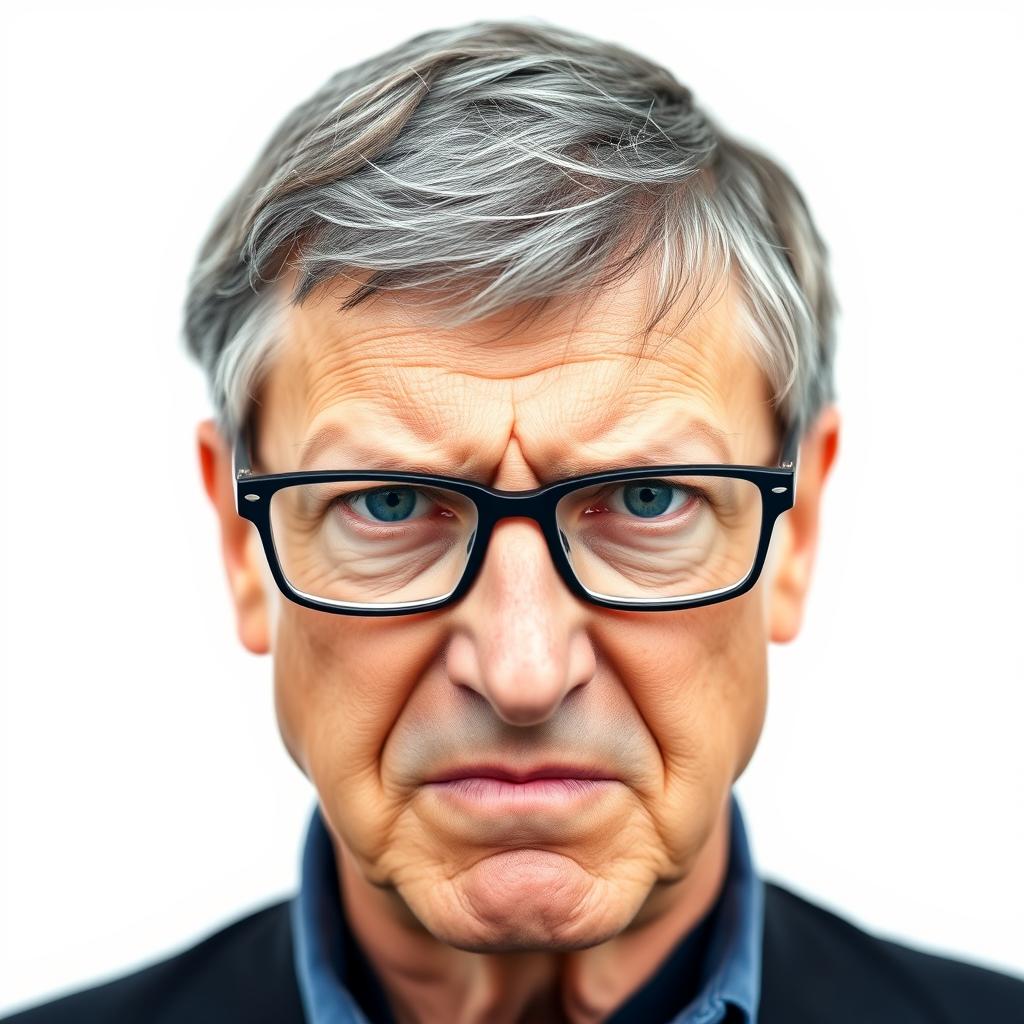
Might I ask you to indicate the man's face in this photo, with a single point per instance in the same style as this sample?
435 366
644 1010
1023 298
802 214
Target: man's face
521 672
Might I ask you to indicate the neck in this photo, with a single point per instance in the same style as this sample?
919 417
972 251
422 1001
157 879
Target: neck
427 980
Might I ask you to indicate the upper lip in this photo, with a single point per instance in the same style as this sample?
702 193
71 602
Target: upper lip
499 771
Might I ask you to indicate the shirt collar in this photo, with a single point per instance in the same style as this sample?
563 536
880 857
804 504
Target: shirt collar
731 976
733 964
319 935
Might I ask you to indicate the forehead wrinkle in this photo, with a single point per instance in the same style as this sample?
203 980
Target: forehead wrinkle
662 448
697 377
364 346
360 337
368 455
391 436
569 436
442 414
686 434
698 362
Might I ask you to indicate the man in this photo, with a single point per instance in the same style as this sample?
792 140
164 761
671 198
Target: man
523 378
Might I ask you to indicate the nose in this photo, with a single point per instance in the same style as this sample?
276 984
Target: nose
519 635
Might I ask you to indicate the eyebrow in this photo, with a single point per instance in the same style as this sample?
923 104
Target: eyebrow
660 451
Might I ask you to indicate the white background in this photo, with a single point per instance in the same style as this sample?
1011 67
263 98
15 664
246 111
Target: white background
146 796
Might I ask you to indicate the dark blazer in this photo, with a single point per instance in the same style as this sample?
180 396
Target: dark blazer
817 969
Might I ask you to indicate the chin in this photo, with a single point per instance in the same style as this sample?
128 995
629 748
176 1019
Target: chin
525 899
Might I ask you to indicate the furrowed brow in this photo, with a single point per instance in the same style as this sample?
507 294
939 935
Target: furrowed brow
357 454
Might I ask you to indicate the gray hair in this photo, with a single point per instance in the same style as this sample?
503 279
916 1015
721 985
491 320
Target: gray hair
501 164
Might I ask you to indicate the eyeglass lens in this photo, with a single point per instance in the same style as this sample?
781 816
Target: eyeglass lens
390 542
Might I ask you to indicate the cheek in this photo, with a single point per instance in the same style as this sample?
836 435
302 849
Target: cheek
335 694
742 682
699 683
726 676
340 685
699 679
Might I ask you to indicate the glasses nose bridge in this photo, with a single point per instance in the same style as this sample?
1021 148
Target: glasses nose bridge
536 506
515 504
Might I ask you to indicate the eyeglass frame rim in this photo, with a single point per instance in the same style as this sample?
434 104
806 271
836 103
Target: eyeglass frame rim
777 485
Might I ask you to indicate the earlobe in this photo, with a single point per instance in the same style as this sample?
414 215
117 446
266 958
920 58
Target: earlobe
786 604
240 545
796 531
251 598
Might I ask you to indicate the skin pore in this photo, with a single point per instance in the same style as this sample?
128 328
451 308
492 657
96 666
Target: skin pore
537 917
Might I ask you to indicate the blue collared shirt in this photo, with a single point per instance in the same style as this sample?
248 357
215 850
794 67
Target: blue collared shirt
721 955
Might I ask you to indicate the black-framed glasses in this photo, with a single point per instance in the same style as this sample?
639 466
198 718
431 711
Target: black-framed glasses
653 538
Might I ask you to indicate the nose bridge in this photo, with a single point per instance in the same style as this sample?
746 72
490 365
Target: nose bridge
519 632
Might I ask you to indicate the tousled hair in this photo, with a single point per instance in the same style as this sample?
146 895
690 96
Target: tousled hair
506 164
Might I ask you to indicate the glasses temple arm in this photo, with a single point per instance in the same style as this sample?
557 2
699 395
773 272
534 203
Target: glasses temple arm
241 459
790 456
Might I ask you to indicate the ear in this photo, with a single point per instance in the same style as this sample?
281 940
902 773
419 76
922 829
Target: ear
240 542
798 528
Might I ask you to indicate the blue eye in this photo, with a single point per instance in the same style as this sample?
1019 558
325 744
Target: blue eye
647 499
389 504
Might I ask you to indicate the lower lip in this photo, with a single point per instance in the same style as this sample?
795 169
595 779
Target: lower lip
486 793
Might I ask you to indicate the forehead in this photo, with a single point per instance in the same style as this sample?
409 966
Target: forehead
574 381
